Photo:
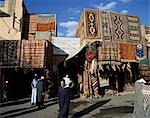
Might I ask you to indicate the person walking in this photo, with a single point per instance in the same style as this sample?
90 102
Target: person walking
40 93
34 90
5 92
60 95
64 97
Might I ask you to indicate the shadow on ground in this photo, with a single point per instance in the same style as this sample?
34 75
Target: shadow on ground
15 102
29 109
18 112
113 112
76 104
89 109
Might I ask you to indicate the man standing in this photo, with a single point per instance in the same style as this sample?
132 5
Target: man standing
64 97
34 90
40 92
61 96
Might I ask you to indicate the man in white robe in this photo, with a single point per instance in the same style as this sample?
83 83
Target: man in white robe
34 90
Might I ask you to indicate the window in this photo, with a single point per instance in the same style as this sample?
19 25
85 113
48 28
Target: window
2 3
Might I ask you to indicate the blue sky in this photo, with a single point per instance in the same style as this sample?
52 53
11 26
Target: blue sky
68 11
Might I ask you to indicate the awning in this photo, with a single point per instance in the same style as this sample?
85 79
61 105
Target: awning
74 53
3 14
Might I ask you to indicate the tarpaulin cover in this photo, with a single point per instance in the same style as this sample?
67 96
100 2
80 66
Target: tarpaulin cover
46 18
42 35
46 26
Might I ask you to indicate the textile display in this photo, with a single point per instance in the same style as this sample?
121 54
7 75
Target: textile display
10 53
134 28
127 51
139 52
119 26
93 78
92 30
106 26
95 84
109 51
46 26
91 52
33 52
93 66
86 80
142 101
43 35
46 18
103 81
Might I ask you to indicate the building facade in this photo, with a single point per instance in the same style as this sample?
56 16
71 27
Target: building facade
23 50
12 19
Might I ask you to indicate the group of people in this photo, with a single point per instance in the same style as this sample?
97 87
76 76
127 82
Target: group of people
64 94
37 96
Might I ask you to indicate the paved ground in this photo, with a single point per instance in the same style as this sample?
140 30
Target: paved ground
107 107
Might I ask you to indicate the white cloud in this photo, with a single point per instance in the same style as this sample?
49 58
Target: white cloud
69 27
74 10
71 18
125 1
106 7
124 11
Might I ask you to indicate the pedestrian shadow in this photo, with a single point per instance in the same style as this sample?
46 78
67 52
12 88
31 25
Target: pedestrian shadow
114 112
51 100
22 101
89 109
16 110
73 105
16 102
13 113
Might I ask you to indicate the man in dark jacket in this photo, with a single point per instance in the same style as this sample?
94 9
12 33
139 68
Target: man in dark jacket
64 100
40 92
